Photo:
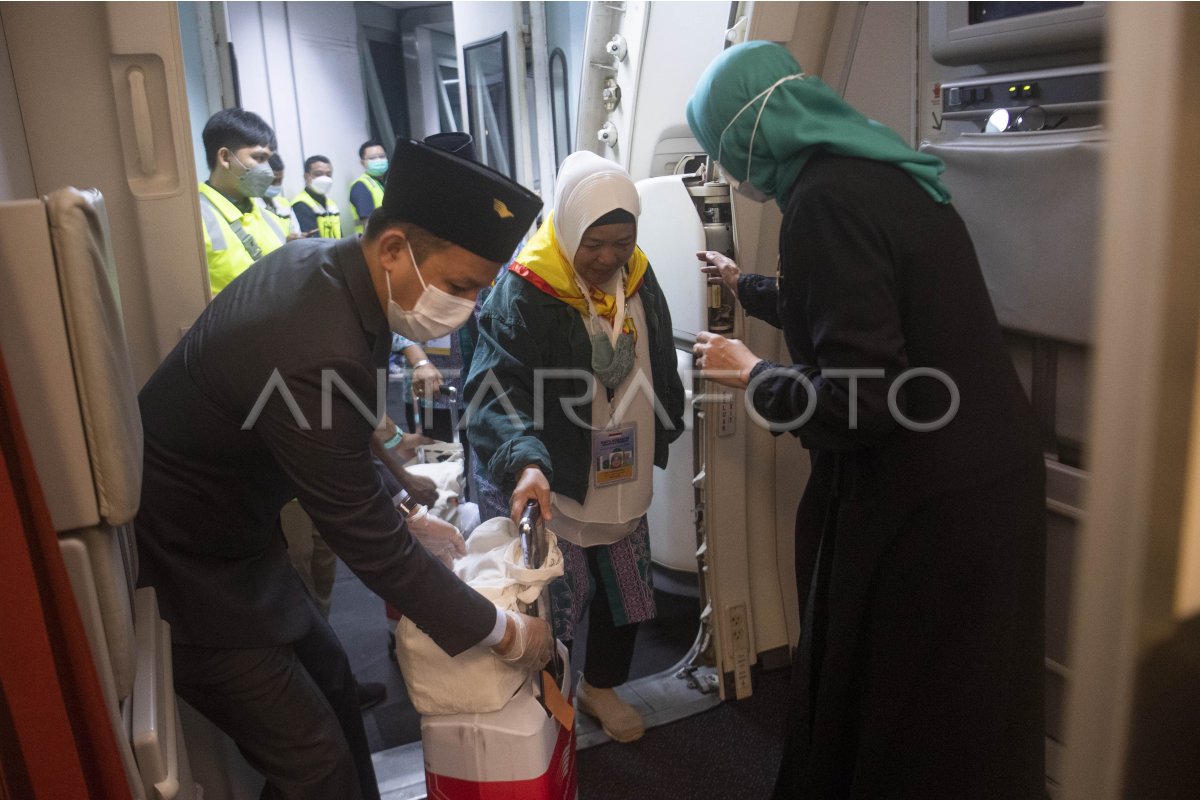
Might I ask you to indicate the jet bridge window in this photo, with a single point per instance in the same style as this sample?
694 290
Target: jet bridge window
488 104
558 100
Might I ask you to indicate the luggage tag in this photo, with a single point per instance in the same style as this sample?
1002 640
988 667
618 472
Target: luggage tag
555 703
614 455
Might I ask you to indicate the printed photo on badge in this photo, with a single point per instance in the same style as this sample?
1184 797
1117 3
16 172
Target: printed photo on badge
612 453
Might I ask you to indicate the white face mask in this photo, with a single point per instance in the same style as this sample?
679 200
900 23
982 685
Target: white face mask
436 313
744 188
322 184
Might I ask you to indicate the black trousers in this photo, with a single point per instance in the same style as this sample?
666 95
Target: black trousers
609 646
291 709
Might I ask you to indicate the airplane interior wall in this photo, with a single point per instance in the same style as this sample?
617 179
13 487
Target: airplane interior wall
1144 389
75 137
882 78
660 101
1187 596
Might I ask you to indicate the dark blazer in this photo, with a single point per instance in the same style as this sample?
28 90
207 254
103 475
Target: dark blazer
237 423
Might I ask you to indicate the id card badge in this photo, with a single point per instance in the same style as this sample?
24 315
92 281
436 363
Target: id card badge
614 455
438 347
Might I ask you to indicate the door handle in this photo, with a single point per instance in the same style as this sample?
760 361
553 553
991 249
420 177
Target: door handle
143 129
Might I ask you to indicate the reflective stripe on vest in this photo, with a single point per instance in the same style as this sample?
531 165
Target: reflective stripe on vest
249 242
329 219
231 246
273 223
279 206
212 223
376 190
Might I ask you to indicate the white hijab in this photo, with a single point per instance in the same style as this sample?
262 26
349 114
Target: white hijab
588 188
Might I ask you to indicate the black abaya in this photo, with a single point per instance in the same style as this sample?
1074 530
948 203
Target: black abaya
920 555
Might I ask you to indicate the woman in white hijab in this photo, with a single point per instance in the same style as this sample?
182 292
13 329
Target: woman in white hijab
581 297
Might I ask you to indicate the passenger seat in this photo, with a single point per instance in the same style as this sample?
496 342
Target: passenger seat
77 398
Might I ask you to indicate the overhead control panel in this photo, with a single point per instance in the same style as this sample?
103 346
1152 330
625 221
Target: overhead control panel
1066 90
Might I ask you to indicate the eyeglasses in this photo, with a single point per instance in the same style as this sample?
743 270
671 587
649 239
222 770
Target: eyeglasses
1028 119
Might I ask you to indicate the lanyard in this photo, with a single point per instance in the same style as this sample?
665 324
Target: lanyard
620 313
616 329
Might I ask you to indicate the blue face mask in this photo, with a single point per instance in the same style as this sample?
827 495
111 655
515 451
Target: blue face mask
377 166
273 191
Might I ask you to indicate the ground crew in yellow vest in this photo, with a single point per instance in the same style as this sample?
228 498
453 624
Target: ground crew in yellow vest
314 209
276 203
366 193
237 229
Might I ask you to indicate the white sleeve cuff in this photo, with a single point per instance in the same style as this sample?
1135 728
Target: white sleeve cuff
497 633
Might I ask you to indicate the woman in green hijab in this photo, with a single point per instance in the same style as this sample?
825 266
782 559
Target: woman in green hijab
920 538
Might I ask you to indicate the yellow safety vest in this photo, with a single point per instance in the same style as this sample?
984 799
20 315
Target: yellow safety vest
376 189
234 240
279 206
281 209
329 219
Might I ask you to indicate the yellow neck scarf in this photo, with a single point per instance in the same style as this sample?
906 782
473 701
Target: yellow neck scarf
542 263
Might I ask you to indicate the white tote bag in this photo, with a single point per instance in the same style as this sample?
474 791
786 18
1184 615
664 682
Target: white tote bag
476 681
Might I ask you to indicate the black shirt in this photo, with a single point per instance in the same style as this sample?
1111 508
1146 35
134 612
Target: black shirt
306 218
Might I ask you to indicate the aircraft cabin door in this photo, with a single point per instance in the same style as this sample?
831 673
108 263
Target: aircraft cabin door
698 521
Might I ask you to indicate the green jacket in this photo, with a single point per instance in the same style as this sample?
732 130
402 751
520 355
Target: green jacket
523 329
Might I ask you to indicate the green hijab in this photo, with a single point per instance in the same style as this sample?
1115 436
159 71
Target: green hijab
803 116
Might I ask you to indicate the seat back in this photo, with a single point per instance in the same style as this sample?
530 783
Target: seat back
91 302
73 381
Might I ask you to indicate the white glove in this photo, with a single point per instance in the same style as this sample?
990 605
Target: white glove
440 538
532 643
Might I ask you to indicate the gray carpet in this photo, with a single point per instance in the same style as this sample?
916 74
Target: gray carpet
729 753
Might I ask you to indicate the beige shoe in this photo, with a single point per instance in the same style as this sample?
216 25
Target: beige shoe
617 718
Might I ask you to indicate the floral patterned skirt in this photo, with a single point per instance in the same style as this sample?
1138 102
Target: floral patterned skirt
625 570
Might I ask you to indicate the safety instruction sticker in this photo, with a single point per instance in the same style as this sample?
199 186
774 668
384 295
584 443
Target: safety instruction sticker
614 452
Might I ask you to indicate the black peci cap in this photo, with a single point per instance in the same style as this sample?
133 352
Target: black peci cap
458 142
467 204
